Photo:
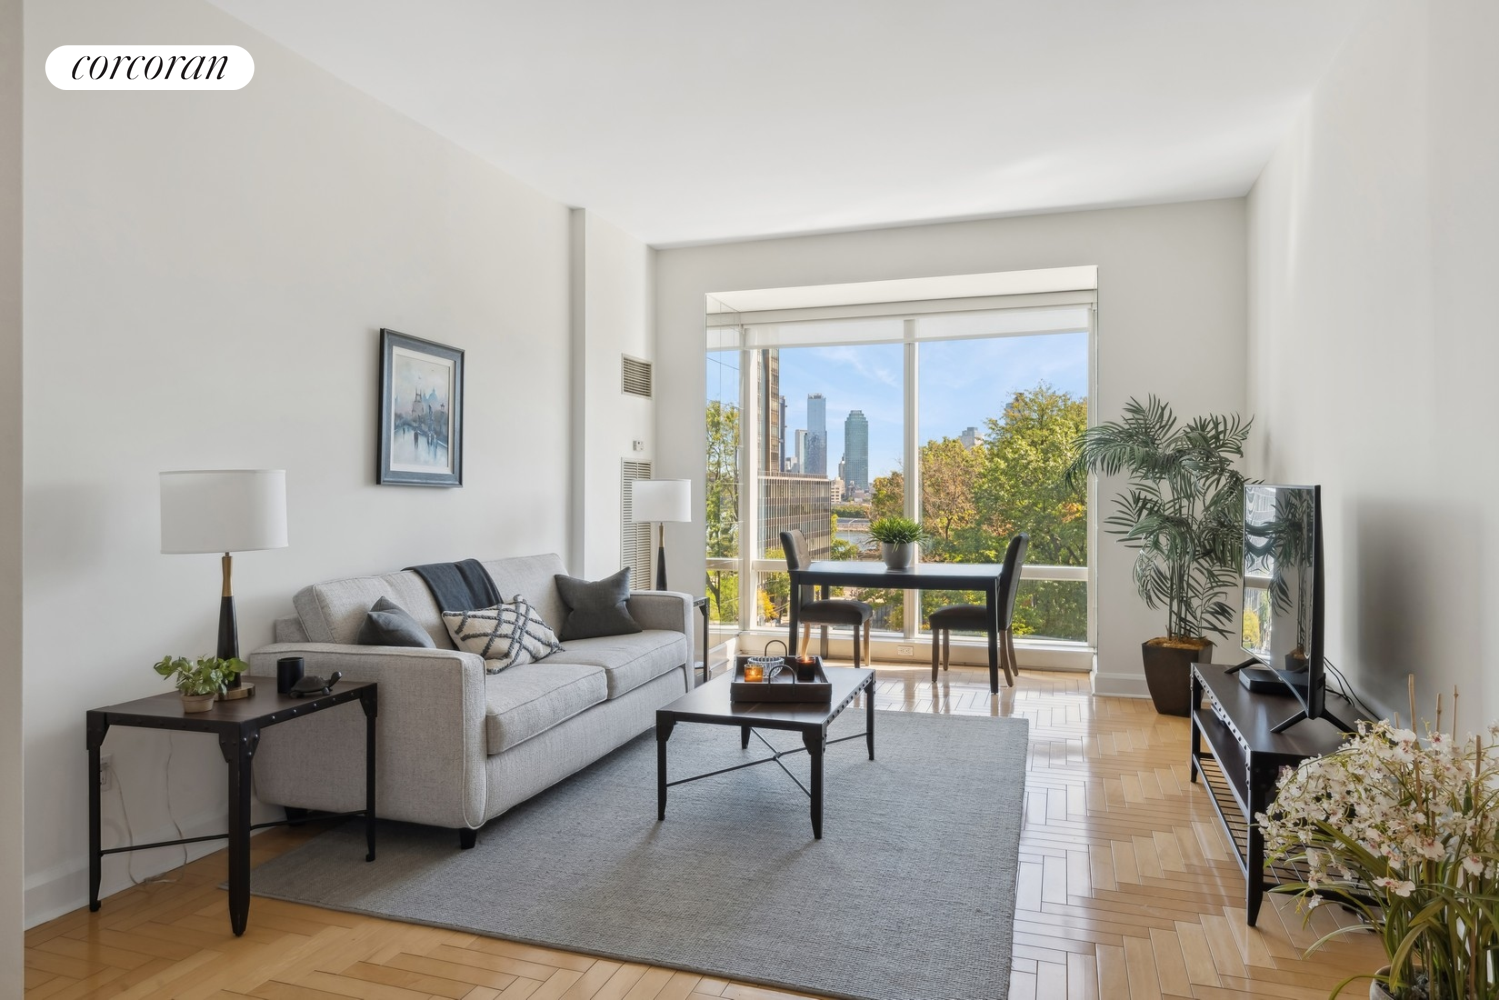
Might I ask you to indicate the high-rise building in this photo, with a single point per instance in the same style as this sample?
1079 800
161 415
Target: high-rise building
856 450
801 451
969 437
804 502
816 463
772 411
781 425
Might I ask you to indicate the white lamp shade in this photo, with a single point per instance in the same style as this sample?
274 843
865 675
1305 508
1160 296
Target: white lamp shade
223 510
662 499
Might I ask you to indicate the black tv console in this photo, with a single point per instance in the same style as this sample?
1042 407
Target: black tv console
1235 749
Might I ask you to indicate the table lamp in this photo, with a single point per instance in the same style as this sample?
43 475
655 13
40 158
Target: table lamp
661 500
225 511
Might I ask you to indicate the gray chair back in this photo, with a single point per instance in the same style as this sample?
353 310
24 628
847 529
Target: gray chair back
1014 559
794 545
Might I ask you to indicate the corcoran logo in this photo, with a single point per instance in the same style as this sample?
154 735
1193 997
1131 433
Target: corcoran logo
149 67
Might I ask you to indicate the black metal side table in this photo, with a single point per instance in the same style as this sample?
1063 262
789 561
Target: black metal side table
238 725
701 603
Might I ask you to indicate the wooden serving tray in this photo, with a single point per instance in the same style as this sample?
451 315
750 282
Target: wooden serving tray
785 687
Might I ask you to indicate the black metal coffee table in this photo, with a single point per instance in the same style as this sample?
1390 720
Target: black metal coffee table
711 704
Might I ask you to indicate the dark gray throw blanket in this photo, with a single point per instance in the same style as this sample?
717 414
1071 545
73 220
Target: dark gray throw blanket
459 586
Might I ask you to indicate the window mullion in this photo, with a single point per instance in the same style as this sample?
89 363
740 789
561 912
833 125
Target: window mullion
749 484
912 472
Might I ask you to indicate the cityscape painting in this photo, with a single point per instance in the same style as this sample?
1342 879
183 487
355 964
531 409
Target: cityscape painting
421 412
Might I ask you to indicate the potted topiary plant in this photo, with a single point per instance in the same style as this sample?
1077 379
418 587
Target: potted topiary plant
898 538
201 681
1183 512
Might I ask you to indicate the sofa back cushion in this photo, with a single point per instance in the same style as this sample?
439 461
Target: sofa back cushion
334 611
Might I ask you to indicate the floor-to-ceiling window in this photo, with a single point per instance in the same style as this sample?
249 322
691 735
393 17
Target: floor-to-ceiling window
834 417
997 418
845 404
722 481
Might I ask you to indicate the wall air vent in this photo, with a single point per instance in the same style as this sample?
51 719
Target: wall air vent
636 376
634 538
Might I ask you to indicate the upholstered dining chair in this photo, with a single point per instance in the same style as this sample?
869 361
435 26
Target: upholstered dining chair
973 617
811 612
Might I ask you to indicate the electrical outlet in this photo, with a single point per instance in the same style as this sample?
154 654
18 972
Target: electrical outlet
905 650
106 771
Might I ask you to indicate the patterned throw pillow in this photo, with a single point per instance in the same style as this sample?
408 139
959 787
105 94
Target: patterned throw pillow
511 632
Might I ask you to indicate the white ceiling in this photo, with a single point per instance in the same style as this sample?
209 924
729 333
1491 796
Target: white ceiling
700 120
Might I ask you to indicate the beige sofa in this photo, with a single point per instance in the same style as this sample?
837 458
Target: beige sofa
458 746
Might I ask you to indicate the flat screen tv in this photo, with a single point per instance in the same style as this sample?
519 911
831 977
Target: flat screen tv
1283 617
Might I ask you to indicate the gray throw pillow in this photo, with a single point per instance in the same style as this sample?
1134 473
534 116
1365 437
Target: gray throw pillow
596 609
389 624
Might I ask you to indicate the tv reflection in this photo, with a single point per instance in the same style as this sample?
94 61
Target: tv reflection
1279 526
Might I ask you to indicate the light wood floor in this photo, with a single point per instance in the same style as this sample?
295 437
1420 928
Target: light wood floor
1126 890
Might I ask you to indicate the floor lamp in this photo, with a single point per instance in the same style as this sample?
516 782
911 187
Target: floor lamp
661 500
225 511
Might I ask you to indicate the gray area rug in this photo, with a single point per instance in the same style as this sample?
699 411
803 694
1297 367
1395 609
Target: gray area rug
910 895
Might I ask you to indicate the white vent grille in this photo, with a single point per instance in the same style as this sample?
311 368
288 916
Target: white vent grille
636 376
634 539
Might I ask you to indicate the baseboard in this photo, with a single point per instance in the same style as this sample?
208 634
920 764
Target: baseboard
966 651
1120 685
63 888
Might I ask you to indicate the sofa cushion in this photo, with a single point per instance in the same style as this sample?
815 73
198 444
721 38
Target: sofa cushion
531 577
629 660
507 634
531 698
596 608
334 611
388 624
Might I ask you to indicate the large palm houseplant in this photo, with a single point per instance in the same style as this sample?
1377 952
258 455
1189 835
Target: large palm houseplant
1183 513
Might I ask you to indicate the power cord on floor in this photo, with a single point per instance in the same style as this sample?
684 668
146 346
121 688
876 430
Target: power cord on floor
161 879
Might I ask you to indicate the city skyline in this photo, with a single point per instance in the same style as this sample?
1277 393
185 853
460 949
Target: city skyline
961 384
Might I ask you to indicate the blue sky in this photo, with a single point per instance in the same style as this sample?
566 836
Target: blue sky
962 383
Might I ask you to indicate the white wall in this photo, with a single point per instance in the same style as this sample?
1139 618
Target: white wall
1372 344
12 828
206 276
612 316
1171 322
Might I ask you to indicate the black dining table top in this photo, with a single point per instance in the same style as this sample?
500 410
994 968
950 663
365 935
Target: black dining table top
921 576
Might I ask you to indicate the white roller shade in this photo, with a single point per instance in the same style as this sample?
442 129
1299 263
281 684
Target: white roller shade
1033 319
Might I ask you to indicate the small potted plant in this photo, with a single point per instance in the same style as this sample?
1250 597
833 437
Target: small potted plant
1403 829
898 538
201 681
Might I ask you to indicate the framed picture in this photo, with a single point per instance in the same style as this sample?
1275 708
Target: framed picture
421 412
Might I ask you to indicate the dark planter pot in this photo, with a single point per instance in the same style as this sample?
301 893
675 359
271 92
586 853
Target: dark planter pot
1168 674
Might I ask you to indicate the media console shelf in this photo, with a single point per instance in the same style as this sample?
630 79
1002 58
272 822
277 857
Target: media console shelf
1232 737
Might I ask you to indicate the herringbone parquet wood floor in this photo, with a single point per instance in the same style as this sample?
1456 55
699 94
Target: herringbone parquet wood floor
1127 889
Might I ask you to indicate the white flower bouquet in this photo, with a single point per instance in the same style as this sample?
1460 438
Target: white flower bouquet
1402 829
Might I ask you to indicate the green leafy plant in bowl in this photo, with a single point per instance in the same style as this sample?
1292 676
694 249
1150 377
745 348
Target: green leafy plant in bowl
898 538
896 530
202 680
